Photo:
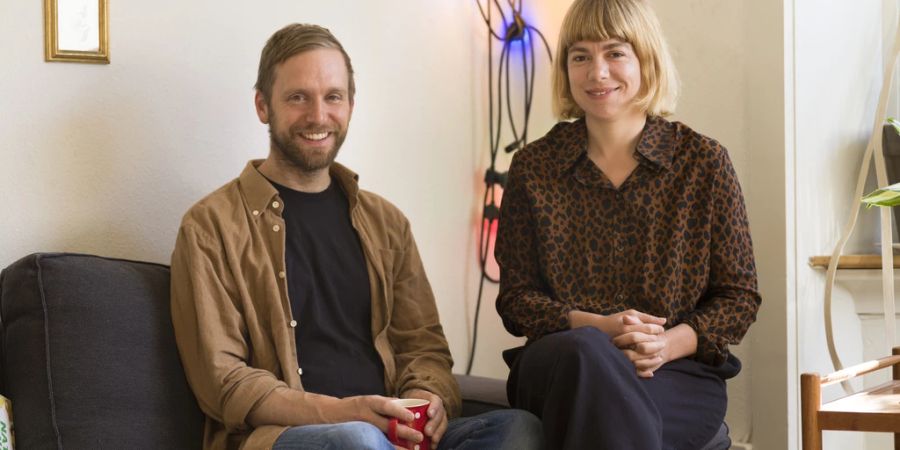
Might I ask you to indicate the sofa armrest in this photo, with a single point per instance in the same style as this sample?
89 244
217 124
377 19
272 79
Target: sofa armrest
481 394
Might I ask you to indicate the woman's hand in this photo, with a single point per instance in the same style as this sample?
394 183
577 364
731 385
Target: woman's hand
646 351
649 352
641 337
616 324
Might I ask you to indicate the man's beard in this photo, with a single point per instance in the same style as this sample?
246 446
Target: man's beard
304 159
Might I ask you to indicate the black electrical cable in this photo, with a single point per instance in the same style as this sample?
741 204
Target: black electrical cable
516 29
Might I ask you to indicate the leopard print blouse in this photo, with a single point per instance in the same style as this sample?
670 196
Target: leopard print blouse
673 240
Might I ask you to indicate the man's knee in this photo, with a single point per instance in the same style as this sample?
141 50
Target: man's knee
521 429
354 435
358 435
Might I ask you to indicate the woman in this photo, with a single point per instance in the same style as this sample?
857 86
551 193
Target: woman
624 250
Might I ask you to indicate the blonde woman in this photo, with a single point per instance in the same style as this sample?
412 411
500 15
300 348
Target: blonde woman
624 250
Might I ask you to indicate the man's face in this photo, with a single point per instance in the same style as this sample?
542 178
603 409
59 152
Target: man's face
309 109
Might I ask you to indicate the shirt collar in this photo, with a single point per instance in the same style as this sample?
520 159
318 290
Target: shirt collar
654 145
259 192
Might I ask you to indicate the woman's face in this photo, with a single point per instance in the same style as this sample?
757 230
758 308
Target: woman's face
604 78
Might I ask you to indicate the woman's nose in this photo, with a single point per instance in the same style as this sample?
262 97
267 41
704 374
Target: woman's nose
599 70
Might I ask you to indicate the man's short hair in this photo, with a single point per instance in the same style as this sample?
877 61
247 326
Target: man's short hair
291 40
631 21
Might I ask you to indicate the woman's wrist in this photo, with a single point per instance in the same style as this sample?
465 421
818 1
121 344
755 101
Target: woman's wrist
578 319
681 342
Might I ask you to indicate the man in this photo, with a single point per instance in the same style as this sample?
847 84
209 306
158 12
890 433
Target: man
299 301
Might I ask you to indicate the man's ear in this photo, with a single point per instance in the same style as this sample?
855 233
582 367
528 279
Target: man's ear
262 107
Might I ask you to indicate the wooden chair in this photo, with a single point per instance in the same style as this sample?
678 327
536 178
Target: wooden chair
874 409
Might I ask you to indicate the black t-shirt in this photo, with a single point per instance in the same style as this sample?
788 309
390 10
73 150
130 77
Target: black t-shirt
328 285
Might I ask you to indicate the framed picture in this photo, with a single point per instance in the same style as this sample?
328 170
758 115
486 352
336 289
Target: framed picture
76 31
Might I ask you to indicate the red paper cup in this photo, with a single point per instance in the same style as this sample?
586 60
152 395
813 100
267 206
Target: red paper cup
419 408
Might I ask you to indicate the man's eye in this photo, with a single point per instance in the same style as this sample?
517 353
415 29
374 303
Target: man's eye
335 98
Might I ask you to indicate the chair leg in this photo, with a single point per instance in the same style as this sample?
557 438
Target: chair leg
895 372
810 401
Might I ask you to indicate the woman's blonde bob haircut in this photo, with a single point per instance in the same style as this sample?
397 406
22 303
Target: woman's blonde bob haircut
631 21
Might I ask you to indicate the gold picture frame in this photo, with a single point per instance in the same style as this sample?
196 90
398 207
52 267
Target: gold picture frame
71 33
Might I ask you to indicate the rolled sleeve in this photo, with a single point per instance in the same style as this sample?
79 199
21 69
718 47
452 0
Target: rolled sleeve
209 332
421 352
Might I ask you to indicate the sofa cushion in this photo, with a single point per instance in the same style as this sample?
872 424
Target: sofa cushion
89 357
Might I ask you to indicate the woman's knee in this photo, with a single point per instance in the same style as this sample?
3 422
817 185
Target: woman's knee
580 344
583 354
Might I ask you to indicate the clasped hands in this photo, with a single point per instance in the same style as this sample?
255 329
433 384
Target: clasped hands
642 339
640 336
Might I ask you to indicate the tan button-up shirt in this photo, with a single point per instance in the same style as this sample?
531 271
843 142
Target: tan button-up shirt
232 316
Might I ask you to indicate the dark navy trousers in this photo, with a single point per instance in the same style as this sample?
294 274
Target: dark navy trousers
588 395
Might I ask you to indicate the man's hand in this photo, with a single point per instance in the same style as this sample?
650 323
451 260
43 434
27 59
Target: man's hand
437 416
290 407
378 411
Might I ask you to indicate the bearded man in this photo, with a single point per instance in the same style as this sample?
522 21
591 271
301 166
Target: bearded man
300 304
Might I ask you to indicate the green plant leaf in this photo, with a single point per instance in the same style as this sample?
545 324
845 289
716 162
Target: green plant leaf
886 196
894 123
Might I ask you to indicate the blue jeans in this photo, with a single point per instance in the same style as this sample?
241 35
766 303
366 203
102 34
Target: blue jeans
508 429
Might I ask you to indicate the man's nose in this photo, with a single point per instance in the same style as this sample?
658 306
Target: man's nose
317 112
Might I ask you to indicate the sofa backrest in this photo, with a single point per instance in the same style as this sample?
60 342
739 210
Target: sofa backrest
89 357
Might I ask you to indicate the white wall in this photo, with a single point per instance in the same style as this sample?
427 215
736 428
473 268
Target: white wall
838 60
105 159
546 16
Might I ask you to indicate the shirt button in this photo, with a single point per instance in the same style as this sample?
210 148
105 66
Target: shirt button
275 205
620 296
300 372
276 228
620 248
293 324
255 212
281 274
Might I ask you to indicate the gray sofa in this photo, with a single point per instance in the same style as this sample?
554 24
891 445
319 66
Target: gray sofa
89 358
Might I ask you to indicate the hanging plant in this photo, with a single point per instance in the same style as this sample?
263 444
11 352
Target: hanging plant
886 196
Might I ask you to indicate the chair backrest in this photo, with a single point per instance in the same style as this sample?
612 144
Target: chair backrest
89 357
871 409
